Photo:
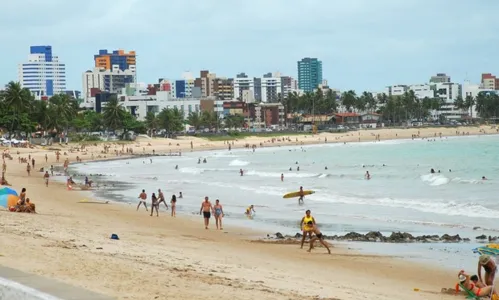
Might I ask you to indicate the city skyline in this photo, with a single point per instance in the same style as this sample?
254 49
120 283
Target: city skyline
363 45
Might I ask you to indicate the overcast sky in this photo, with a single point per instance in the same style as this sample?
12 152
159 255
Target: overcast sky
363 44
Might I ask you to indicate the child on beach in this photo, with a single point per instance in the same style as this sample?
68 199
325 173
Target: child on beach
318 236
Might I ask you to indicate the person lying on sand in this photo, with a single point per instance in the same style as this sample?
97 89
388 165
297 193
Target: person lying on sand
318 236
490 267
465 280
4 181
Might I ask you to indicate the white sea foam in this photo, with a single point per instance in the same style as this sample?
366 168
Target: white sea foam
239 163
435 179
14 290
278 175
189 170
449 208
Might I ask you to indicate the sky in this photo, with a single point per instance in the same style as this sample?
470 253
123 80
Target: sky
363 44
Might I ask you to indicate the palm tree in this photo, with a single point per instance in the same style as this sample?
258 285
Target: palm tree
459 103
18 101
194 120
469 102
113 114
348 99
151 122
63 109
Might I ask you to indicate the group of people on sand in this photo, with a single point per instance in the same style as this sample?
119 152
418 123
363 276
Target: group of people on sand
309 228
157 200
23 204
481 287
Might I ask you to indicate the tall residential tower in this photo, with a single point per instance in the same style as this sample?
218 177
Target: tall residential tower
43 74
309 74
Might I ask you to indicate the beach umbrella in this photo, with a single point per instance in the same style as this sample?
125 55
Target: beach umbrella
8 200
8 191
491 249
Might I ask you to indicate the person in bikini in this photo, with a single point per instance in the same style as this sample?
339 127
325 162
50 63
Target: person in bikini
206 209
143 198
219 213
490 267
161 198
318 236
307 230
465 281
173 204
154 204
46 177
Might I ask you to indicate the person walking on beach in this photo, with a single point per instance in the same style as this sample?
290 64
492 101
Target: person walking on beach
282 177
318 236
46 177
305 228
219 213
154 204
143 198
490 267
52 170
173 204
206 209
46 157
28 169
161 198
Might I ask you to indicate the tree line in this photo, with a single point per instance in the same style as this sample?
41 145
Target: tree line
393 109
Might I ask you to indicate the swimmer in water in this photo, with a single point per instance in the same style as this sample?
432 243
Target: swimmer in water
176 167
432 171
180 196
367 176
250 211
241 172
282 177
484 178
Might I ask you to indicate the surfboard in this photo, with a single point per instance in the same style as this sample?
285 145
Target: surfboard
297 194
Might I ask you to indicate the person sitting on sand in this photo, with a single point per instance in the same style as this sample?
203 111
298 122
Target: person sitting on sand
30 207
465 280
318 236
490 267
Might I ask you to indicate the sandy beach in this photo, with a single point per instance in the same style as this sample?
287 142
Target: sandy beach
176 258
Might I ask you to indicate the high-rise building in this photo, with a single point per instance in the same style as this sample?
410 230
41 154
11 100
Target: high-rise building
43 74
271 89
223 88
205 82
244 88
124 61
440 78
309 74
110 81
490 81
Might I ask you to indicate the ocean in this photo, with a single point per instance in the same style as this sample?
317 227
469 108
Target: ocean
402 194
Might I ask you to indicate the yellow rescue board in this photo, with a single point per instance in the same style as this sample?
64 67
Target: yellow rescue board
297 194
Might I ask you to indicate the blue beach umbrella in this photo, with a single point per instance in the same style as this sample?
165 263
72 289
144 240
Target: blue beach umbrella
8 191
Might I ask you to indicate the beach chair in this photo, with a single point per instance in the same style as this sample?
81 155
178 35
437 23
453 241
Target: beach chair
469 294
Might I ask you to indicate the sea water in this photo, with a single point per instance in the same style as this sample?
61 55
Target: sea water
16 291
402 194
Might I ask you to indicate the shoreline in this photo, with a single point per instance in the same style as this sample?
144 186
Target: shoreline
73 233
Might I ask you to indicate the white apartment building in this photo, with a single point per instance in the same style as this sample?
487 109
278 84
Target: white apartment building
271 88
111 81
242 84
42 74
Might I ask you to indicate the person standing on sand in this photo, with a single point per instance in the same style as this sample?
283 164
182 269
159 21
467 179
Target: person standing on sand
33 163
143 198
306 229
282 177
318 236
161 198
46 157
206 209
28 169
219 213
4 167
173 204
46 177
490 267
154 204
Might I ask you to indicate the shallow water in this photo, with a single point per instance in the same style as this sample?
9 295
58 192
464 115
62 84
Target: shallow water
16 291
401 196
